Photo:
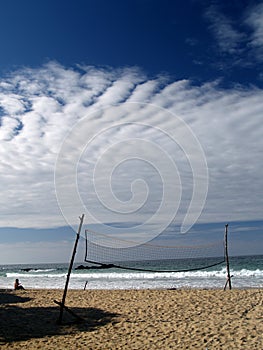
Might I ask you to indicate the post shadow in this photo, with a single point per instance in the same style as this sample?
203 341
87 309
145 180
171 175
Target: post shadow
22 323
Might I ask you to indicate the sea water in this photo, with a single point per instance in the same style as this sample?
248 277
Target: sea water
247 272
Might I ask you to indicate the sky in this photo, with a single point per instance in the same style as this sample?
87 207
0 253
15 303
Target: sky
142 115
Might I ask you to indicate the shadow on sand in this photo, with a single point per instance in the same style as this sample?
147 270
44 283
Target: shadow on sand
22 323
7 297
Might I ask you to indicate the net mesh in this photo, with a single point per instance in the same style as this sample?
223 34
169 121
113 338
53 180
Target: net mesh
105 251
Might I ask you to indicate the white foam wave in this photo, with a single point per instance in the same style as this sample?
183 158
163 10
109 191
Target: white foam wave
245 272
162 275
43 270
30 275
137 275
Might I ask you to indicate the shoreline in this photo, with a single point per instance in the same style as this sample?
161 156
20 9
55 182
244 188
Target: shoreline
133 319
133 289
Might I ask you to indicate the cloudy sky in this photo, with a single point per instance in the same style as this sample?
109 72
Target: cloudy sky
139 114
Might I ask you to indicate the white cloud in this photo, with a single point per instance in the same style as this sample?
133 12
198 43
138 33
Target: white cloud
255 21
227 36
240 39
41 106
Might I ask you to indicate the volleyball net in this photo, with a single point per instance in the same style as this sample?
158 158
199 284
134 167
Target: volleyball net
104 251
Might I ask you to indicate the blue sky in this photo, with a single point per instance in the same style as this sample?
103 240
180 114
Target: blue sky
99 94
200 40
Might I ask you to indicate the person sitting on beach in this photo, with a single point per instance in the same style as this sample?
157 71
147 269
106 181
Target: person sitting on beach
17 285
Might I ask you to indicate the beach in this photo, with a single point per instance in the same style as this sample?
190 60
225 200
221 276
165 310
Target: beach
133 319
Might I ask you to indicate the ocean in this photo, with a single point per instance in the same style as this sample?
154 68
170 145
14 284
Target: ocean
247 272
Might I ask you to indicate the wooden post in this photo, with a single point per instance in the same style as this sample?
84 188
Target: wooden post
85 285
227 260
62 304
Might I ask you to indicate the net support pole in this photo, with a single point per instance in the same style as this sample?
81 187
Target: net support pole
227 260
62 304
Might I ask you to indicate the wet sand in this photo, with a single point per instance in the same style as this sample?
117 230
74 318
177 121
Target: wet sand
133 319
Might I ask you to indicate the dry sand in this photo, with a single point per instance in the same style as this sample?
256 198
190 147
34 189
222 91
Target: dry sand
133 319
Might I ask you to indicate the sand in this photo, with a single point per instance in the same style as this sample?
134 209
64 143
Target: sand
133 319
